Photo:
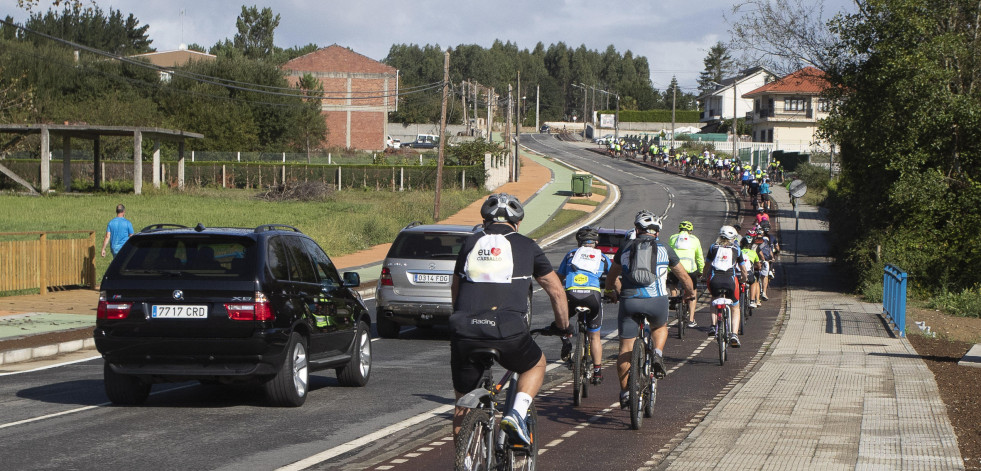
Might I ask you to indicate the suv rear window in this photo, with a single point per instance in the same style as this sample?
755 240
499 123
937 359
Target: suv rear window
206 257
610 240
428 245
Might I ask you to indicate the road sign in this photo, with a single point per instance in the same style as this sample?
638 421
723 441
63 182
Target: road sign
797 188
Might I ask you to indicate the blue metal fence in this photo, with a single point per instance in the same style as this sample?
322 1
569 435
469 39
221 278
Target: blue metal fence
894 297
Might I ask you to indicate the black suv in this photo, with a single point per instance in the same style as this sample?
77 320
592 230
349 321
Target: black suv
228 305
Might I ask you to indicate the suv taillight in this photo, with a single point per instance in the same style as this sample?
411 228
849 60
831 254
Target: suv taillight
257 311
386 277
109 310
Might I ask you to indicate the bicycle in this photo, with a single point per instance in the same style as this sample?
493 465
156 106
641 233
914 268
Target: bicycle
582 371
481 444
680 313
723 323
641 381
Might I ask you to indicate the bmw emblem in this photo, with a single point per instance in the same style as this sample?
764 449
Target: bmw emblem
432 266
178 295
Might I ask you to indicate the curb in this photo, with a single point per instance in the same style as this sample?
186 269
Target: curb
35 353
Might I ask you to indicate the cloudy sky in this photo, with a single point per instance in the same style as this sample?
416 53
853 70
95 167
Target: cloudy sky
674 35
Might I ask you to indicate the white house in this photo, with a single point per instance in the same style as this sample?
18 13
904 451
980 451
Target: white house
786 112
717 104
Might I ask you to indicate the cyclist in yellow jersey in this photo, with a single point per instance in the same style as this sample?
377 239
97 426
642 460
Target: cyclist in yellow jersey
689 250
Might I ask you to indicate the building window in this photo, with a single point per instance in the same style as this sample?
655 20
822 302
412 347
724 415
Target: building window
770 136
824 105
793 104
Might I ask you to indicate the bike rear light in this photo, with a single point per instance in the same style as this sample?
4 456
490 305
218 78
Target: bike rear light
257 311
109 310
386 277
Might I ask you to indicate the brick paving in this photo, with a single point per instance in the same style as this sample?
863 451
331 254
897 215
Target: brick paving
836 390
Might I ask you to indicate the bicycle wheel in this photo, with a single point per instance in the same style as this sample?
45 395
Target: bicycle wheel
578 372
636 383
472 445
681 312
521 457
587 365
650 392
720 338
728 323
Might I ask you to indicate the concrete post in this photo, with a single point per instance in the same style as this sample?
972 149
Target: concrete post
180 165
99 172
137 162
66 163
45 160
156 163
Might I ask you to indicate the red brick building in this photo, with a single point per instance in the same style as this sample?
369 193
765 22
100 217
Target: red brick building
359 94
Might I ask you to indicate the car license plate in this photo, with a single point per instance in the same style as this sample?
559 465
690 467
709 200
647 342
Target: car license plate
428 278
179 312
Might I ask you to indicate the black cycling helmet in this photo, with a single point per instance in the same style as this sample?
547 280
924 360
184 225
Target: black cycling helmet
502 207
585 234
647 221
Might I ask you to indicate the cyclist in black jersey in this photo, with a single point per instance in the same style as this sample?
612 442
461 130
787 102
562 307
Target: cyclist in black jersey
491 282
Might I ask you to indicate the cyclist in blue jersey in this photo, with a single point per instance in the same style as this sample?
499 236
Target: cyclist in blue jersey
580 271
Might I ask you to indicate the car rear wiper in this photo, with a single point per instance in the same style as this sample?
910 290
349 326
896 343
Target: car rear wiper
149 271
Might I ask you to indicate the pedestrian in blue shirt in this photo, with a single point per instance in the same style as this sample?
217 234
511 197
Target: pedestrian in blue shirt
117 231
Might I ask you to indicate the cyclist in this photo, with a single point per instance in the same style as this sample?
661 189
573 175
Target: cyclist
752 264
649 300
581 270
765 194
721 264
768 247
491 281
689 250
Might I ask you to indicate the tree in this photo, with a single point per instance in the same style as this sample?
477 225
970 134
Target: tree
311 127
92 27
718 63
782 35
906 81
255 32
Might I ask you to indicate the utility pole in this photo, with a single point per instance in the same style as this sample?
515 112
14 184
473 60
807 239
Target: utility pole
584 97
490 116
592 106
538 103
674 100
463 98
507 136
734 136
517 127
442 134
616 120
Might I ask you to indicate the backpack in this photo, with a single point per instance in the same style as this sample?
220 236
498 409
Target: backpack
640 269
725 258
766 249
587 259
490 260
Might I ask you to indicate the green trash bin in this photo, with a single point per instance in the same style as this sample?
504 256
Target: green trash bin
582 184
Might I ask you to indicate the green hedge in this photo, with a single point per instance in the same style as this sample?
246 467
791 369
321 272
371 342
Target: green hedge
657 116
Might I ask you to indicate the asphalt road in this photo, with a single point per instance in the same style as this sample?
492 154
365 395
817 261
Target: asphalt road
60 417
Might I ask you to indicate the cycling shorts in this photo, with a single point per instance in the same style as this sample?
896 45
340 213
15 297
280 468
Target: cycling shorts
765 271
722 281
765 196
654 309
591 299
519 354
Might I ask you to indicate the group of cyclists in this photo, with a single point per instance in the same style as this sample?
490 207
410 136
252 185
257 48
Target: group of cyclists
495 268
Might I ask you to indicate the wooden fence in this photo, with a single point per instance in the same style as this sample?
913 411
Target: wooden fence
45 262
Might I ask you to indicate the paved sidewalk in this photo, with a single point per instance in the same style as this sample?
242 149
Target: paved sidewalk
836 390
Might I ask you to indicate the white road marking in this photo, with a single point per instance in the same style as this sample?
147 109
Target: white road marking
50 366
80 409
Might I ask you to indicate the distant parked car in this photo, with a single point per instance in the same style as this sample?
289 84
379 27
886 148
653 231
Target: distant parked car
393 143
425 141
545 129
603 140
228 305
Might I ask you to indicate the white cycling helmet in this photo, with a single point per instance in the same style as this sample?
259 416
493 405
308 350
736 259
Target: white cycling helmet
728 233
647 221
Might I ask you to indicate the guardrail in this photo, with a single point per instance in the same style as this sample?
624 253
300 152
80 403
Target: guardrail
894 297
43 262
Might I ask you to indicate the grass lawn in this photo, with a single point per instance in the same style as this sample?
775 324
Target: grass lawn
345 222
561 219
584 201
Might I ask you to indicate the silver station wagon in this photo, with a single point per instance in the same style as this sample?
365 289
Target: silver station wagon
414 287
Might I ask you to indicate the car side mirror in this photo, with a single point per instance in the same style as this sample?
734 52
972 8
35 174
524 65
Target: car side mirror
351 279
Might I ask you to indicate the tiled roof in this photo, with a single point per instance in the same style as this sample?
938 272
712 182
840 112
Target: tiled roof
808 80
336 58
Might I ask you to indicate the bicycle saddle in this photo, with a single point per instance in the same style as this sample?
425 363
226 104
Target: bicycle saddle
719 302
485 355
